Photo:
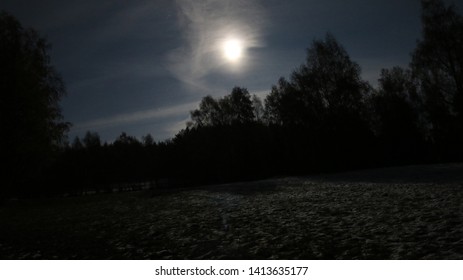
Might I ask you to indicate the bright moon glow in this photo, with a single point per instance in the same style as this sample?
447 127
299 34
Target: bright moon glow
233 49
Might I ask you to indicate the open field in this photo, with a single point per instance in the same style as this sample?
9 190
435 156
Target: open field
395 213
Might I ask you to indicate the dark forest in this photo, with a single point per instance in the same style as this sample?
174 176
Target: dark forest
323 118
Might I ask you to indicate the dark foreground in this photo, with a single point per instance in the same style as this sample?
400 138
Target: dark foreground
398 213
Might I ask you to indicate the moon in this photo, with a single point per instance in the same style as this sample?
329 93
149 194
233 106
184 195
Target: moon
233 50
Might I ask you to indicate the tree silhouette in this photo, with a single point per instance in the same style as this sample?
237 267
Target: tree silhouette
77 144
258 109
126 140
323 106
279 102
438 65
396 116
208 114
92 140
327 83
331 76
237 107
148 140
30 90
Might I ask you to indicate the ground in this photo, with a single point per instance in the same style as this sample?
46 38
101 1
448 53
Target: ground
413 212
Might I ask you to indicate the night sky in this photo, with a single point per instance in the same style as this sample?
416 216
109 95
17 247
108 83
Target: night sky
140 66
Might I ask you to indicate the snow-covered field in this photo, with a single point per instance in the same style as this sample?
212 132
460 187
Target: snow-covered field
413 212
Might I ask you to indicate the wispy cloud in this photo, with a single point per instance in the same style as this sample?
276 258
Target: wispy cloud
205 24
122 119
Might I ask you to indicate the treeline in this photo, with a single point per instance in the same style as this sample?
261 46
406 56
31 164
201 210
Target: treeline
323 118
